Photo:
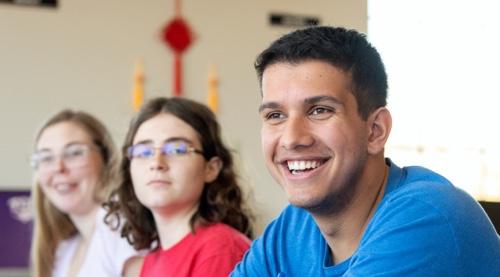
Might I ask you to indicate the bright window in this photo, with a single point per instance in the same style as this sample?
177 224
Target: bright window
443 62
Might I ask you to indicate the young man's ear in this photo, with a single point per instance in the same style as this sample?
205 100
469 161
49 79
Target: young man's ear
212 169
379 124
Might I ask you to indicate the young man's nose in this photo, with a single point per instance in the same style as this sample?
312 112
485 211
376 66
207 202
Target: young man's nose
296 133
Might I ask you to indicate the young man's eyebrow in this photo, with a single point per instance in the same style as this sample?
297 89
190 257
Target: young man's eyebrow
321 98
268 105
309 101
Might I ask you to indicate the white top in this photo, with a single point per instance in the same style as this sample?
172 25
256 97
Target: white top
106 255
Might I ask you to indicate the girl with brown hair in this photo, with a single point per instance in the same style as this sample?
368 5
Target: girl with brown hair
179 192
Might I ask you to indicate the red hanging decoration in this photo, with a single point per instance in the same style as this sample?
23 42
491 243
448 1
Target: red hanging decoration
178 36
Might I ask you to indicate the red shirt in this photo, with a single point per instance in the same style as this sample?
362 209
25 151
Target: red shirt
213 251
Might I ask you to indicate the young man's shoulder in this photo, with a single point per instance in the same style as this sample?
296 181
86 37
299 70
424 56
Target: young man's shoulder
424 215
422 188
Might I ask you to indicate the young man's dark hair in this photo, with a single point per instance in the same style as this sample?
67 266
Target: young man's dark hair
345 49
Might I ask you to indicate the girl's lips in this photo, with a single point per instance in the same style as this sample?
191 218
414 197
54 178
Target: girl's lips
158 183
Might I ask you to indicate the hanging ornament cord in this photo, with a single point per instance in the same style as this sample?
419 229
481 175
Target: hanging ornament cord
177 74
178 37
177 57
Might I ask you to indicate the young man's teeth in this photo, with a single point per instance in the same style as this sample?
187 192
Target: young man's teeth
295 166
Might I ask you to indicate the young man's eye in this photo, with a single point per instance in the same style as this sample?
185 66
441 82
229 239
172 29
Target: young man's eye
321 112
274 116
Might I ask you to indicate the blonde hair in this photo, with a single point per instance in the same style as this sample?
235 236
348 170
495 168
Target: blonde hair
51 226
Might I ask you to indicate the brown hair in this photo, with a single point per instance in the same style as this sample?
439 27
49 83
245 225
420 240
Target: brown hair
51 225
221 200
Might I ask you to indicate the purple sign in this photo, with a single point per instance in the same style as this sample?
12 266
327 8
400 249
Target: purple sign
16 221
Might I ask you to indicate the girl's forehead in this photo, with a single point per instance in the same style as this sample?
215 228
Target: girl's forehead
163 127
61 134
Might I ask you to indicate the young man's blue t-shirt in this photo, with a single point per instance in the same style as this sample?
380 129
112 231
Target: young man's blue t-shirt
424 226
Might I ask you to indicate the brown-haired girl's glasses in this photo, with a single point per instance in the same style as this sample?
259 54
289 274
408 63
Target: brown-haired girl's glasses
143 151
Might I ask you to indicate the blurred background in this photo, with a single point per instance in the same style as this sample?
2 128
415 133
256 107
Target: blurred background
441 58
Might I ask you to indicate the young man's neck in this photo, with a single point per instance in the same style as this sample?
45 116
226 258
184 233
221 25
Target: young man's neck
343 231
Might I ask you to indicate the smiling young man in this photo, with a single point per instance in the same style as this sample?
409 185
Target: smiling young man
353 212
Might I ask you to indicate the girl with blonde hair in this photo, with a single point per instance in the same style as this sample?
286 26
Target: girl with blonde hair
75 168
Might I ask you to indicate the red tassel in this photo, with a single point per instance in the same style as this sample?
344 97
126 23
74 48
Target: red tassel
177 75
